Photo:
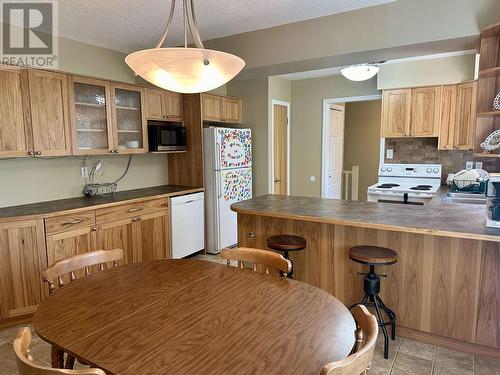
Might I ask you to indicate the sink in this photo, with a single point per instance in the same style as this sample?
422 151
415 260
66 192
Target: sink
467 198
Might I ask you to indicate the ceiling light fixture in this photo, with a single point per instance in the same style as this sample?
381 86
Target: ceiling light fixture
185 69
360 72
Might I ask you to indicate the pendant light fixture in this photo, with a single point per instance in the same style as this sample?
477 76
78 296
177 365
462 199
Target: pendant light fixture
360 72
185 69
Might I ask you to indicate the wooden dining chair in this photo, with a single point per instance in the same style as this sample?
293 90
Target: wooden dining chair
360 359
26 366
262 261
69 266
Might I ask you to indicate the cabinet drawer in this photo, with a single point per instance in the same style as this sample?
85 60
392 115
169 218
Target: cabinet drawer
64 223
124 211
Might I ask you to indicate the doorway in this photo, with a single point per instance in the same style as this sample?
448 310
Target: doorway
332 158
280 148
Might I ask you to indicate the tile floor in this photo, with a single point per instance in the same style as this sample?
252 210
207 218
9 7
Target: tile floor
406 357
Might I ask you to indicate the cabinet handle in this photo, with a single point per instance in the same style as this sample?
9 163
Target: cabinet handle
251 235
38 153
74 222
137 218
114 151
135 209
93 229
31 153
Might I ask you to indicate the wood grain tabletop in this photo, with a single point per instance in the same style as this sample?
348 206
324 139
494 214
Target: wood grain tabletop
192 316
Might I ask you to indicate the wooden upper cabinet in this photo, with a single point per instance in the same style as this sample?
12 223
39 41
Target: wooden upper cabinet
15 127
129 119
448 118
48 93
212 107
163 105
173 105
231 110
221 108
90 116
425 111
396 107
22 260
466 115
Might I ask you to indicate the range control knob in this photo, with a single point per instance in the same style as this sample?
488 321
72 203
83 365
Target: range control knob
389 169
435 170
428 170
383 169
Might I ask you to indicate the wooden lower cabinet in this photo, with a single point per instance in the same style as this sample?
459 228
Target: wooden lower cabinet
141 238
22 259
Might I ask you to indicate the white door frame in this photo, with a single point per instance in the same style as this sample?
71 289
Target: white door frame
325 127
271 147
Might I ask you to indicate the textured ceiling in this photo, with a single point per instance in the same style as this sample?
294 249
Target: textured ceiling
128 25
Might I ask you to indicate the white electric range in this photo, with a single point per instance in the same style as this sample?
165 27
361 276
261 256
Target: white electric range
413 184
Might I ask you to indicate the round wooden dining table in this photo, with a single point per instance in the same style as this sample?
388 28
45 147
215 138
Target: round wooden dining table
195 317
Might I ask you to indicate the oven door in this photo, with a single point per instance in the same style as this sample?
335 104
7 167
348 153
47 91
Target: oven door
397 198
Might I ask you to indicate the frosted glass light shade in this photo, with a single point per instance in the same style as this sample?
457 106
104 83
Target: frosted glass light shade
185 70
360 72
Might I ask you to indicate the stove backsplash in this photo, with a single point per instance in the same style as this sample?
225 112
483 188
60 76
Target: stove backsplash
424 150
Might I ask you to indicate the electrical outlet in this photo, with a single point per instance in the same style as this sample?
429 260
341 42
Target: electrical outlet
479 165
390 153
469 165
84 172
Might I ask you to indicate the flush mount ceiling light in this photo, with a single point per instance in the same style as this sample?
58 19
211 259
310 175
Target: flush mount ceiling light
360 72
185 69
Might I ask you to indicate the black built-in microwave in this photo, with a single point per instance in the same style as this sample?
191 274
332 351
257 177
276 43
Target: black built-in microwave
166 136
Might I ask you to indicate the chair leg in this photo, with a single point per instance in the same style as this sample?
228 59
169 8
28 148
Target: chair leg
380 318
391 315
57 357
70 362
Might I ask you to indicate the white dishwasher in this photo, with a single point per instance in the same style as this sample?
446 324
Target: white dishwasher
187 217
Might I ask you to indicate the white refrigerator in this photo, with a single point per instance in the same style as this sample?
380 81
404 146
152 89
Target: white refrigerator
228 179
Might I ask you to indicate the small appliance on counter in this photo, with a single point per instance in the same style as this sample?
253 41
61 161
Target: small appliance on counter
493 201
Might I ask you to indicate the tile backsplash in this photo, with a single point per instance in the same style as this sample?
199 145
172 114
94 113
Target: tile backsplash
424 150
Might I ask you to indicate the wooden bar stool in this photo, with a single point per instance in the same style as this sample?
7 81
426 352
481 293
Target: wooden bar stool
285 243
376 256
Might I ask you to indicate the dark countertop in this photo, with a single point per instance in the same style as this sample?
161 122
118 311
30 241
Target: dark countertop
441 219
43 209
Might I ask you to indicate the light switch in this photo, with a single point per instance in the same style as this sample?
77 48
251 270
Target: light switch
390 153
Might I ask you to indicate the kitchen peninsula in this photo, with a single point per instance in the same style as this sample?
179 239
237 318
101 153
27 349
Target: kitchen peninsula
445 286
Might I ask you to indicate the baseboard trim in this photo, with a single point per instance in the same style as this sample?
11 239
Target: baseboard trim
448 343
5 323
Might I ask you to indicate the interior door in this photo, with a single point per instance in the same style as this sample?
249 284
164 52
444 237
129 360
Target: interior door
234 148
15 131
49 113
335 152
280 148
425 111
235 185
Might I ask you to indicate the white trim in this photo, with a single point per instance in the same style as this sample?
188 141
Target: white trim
432 57
271 147
324 140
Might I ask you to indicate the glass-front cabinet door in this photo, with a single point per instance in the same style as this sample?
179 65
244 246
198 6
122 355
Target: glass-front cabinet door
91 116
129 119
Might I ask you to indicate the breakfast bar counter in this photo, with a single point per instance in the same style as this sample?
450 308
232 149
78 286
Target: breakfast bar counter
445 286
